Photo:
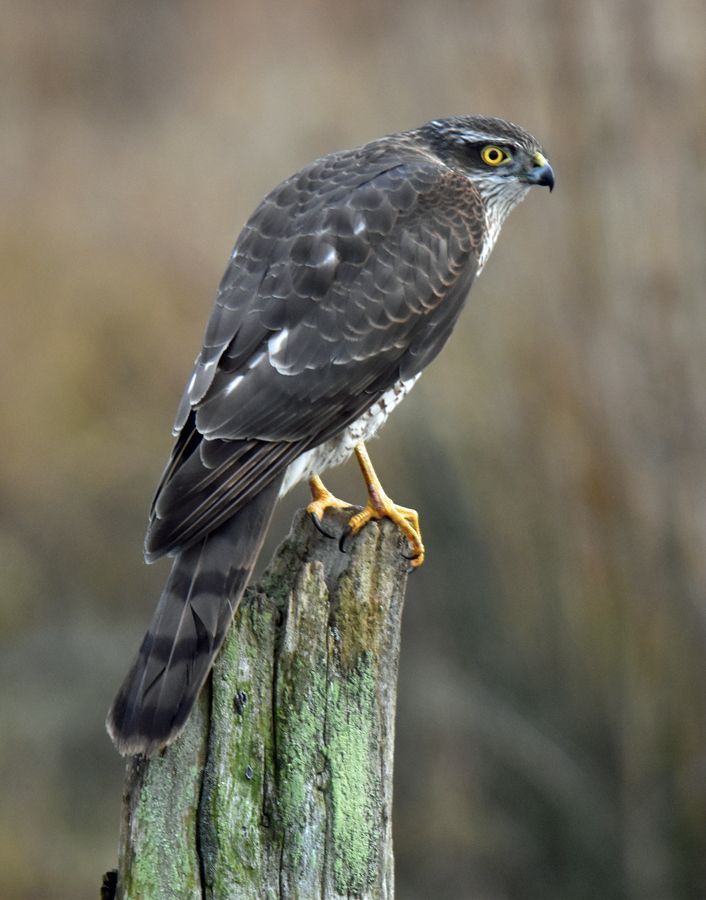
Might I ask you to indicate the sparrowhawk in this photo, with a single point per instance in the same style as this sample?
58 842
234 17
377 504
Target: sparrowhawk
344 284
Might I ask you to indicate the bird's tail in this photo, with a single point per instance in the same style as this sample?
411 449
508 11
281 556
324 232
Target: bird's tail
191 620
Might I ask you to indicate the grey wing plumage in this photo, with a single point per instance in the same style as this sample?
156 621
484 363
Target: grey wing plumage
347 278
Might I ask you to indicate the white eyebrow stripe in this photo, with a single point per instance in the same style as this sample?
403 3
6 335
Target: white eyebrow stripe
475 136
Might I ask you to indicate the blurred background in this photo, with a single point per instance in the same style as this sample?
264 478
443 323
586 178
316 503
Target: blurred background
552 715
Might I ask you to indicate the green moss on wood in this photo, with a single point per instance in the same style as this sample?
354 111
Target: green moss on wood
234 827
299 725
355 783
164 861
291 798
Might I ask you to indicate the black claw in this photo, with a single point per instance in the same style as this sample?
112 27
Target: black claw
413 556
344 537
319 526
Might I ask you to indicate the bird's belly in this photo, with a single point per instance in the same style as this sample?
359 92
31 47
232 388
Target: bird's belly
338 448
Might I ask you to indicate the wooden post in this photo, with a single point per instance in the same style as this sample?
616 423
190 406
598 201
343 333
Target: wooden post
281 784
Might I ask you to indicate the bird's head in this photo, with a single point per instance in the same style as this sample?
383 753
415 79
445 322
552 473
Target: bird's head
501 158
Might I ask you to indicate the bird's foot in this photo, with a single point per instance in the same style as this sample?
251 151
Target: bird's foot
323 500
380 506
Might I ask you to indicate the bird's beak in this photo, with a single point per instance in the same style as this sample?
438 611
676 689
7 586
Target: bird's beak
541 172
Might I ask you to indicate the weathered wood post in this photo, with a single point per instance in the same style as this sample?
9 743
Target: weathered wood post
281 784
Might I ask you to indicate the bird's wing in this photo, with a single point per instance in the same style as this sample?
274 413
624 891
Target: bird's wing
348 277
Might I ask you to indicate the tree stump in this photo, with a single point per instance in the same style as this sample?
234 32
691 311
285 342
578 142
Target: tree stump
281 784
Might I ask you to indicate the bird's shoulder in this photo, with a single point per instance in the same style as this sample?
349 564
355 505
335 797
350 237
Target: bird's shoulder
396 168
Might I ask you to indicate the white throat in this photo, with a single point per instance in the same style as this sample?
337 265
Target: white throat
500 197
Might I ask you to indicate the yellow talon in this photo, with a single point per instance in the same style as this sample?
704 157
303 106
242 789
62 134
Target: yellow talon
323 500
379 506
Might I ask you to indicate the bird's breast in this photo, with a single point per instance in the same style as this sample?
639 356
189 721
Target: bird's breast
337 449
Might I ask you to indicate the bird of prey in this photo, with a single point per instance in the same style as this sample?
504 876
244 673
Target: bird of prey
344 284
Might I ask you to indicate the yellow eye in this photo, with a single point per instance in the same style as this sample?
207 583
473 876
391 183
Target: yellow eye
494 156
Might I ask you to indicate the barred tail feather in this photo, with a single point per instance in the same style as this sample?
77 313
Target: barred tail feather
194 612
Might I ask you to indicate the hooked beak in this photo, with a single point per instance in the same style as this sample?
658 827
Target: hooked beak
541 173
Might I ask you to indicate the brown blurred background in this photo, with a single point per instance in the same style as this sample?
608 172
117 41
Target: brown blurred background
551 720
